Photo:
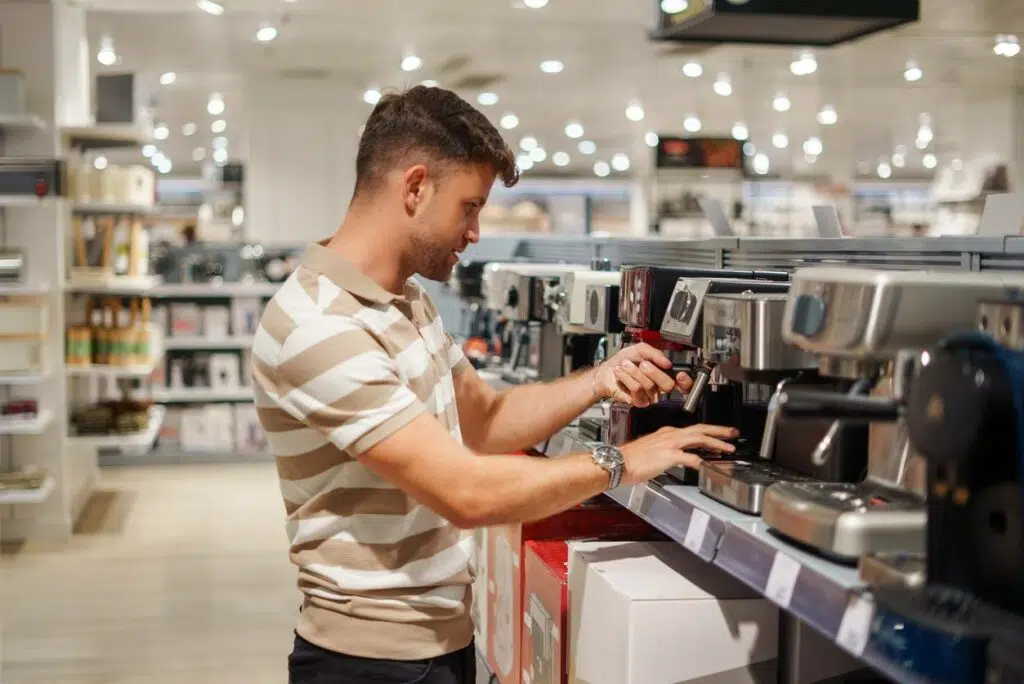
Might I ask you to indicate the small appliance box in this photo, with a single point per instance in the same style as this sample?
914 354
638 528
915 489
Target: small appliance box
480 604
653 613
545 613
598 518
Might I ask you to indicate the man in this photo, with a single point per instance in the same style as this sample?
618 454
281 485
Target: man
388 443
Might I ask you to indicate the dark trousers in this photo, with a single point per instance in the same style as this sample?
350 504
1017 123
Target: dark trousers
310 664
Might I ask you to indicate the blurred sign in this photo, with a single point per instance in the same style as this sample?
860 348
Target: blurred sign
699 153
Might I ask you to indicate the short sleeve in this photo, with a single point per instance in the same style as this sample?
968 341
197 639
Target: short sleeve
344 385
457 360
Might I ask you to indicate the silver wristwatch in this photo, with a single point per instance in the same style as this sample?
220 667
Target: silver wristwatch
610 458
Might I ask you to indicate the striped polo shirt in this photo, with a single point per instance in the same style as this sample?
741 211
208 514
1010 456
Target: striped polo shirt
339 364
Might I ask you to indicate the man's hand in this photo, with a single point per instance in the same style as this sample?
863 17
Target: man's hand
655 453
637 375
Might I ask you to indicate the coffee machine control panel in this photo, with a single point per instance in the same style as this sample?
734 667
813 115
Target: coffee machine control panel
602 308
683 322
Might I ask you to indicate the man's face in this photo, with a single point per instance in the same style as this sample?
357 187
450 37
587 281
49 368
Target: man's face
447 220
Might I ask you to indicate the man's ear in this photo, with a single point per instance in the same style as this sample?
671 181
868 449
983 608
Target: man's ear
414 187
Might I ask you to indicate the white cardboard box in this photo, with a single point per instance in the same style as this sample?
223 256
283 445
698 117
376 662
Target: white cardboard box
653 613
479 588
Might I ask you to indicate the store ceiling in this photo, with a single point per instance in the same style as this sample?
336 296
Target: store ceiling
609 62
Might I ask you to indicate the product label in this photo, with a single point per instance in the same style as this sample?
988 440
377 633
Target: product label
855 628
698 528
782 580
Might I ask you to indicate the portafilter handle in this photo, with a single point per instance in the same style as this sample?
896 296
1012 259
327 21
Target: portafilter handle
697 391
840 407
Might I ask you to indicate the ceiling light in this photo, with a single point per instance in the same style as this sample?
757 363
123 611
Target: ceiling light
929 161
371 96
749 148
189 129
635 112
215 105
574 130
620 162
429 83
913 72
804 65
693 69
266 33
813 147
220 143
210 6
957 164
509 121
527 143
199 154
524 162
899 161
921 144
1007 46
587 147
219 126
538 154
601 169
674 6
157 159
723 86
884 170
780 140
220 156
168 78
106 55
561 158
411 63
810 158
692 123
161 132
165 166
148 151
552 66
487 99
781 103
740 131
651 138
535 4
828 116
761 163
100 162
925 133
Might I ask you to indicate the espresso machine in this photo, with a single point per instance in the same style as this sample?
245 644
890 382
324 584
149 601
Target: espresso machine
868 327
583 346
477 326
965 416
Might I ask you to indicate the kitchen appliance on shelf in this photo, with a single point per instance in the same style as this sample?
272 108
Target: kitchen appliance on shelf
477 327
869 327
965 418
582 345
743 346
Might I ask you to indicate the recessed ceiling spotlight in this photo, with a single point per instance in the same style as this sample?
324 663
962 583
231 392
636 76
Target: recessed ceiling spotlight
371 96
780 140
527 143
161 132
168 77
921 144
100 162
509 121
899 160
266 33
411 63
106 55
535 4
929 161
723 86
487 99
538 154
219 126
781 103
601 169
215 105
804 65
674 6
925 134
693 69
189 129
692 123
1007 45
740 131
561 158
810 158
148 151
828 116
749 149
813 147
552 66
429 83
635 112
620 162
762 164
651 138
220 156
524 162
220 143
587 147
574 130
210 7
884 170
913 71
199 154
165 166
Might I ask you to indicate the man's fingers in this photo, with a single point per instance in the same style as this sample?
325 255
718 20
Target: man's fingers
645 382
708 443
664 383
720 431
690 460
655 356
684 382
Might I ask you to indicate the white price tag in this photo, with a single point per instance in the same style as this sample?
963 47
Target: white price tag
782 580
695 532
855 628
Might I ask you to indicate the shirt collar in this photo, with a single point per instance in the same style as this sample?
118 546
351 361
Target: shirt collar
325 261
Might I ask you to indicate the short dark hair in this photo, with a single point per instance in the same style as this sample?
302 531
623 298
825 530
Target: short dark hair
435 122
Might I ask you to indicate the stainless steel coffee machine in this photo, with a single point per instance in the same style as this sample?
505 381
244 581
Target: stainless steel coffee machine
869 327
582 345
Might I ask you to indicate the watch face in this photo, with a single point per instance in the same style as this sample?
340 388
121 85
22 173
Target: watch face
608 456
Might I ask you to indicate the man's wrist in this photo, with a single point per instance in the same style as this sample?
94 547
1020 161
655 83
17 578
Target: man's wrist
596 390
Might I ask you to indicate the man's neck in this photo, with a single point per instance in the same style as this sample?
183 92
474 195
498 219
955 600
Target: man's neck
366 241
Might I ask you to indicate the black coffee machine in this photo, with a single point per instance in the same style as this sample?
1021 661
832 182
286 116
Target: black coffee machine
965 416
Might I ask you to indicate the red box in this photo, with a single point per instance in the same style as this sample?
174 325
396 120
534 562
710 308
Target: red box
545 612
599 518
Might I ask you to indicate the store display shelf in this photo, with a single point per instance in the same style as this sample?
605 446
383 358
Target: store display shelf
827 596
142 440
28 496
98 371
199 395
23 379
104 136
26 200
86 282
104 208
17 425
21 121
232 342
7 289
213 290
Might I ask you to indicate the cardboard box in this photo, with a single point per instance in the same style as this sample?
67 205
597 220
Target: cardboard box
653 613
598 518
545 613
480 603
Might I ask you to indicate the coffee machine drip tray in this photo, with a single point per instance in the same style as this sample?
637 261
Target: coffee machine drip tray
742 484
892 569
845 521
